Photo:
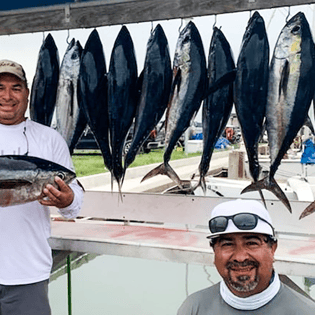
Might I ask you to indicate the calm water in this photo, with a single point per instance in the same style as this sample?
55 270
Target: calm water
122 285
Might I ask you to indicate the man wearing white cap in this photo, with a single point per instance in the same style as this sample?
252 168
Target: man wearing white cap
244 243
25 254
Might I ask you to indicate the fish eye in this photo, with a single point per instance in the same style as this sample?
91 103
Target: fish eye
295 29
187 39
61 175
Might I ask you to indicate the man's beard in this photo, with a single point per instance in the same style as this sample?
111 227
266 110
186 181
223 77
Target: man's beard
242 283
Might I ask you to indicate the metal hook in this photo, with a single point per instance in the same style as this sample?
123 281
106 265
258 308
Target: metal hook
250 14
43 36
286 19
151 27
67 39
181 24
215 21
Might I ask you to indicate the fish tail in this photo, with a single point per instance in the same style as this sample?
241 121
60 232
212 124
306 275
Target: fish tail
164 169
112 182
202 184
160 170
308 210
262 198
271 185
119 184
119 191
123 176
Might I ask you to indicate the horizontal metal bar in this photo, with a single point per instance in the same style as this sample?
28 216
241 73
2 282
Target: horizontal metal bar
114 12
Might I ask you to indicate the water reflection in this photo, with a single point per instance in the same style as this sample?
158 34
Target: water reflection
122 285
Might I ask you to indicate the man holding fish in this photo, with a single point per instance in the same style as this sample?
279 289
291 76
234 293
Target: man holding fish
244 243
25 255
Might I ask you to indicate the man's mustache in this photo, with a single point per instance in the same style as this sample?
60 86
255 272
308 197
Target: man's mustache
243 264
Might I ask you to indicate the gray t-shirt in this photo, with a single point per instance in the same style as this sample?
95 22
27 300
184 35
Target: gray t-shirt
210 302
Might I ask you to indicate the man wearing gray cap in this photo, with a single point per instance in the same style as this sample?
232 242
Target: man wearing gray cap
25 254
244 243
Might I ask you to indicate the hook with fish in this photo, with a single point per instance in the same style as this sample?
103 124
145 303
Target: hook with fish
68 36
151 27
215 21
287 18
181 24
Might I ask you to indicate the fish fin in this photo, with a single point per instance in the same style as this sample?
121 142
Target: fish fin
283 86
176 81
277 191
112 182
80 184
11 184
226 79
159 170
164 169
119 184
70 91
262 198
119 191
308 210
202 183
271 185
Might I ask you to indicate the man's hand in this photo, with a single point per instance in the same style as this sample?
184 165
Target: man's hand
59 198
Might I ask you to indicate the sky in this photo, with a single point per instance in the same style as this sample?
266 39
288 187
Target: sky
24 48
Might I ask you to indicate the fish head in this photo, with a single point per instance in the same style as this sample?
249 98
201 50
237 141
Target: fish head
290 38
182 50
70 45
157 38
47 171
76 51
255 28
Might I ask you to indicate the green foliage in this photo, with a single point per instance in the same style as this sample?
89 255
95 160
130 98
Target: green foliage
86 164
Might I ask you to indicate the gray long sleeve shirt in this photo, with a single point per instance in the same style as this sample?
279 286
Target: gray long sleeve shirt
210 302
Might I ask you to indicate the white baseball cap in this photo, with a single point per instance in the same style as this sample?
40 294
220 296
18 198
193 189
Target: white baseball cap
8 66
240 206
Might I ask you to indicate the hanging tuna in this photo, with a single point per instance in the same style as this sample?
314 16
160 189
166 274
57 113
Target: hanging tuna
92 93
122 97
45 82
187 93
68 118
251 87
218 105
155 85
290 91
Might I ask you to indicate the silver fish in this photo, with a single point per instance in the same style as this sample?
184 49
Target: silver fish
23 178
68 118
187 92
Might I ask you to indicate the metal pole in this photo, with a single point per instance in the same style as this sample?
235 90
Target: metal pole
69 284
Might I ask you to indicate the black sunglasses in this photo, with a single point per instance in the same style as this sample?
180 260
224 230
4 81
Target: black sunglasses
243 221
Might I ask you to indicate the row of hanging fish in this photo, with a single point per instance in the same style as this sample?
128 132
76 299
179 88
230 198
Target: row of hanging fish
276 95
108 101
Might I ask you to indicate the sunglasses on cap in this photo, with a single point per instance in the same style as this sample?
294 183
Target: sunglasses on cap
243 221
